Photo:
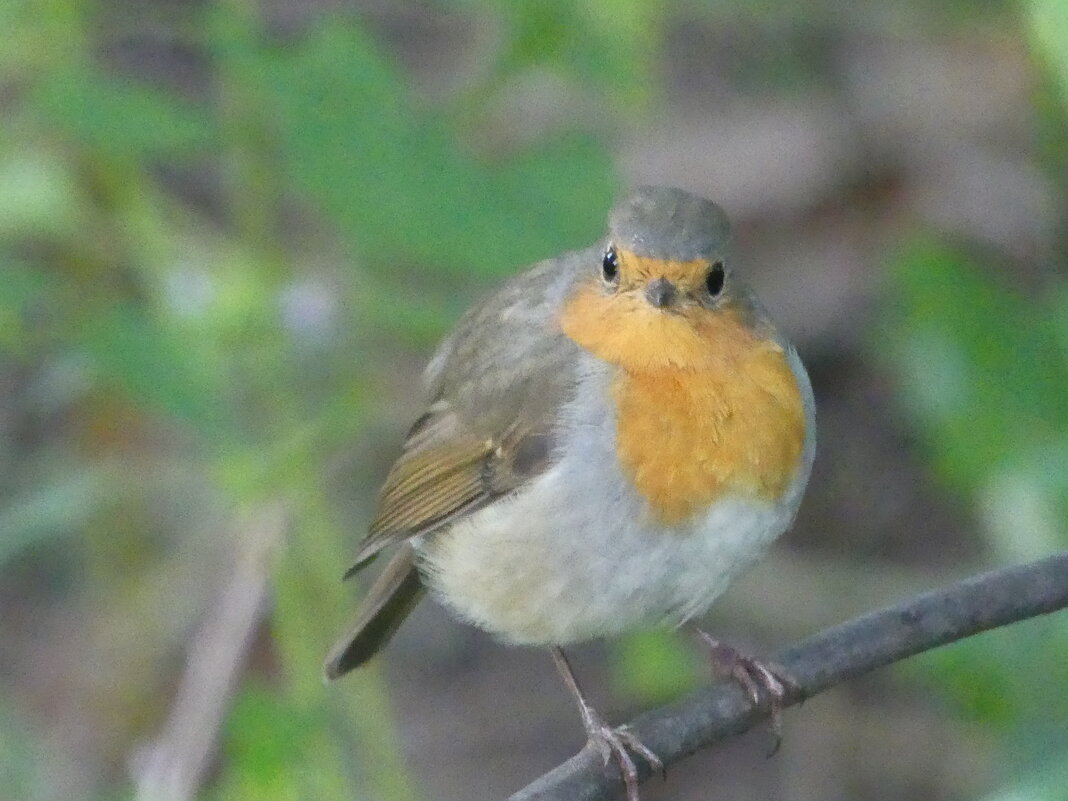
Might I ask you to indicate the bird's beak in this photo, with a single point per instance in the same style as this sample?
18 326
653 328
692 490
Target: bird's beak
661 293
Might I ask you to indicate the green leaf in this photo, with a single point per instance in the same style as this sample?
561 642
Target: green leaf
654 666
38 195
607 43
154 366
263 741
981 366
991 678
398 184
121 117
1048 21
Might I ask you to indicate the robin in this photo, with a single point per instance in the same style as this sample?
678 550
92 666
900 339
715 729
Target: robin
609 440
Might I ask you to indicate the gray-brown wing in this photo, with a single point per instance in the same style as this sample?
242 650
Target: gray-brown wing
497 384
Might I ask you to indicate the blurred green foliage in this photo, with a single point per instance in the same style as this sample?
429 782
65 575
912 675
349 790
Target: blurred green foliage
221 337
399 184
1048 21
196 271
983 368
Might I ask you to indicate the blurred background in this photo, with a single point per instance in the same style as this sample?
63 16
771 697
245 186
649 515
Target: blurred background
232 231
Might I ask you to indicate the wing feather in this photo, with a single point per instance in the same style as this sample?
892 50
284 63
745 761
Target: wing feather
494 403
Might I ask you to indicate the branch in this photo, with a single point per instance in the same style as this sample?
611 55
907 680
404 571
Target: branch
173 767
835 655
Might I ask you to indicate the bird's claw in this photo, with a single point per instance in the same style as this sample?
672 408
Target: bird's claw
758 679
630 739
617 743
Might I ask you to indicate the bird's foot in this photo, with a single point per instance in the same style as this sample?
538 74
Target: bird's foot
616 744
758 679
610 743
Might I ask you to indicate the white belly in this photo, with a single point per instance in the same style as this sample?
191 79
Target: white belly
534 571
576 554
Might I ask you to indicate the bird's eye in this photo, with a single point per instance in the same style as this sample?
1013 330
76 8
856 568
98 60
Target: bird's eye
610 266
715 278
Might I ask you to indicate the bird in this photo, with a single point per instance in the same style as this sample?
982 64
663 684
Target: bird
608 441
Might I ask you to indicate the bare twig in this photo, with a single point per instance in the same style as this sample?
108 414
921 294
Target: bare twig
919 624
172 768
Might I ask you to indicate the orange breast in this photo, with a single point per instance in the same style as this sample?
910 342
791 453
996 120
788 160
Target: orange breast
686 438
706 405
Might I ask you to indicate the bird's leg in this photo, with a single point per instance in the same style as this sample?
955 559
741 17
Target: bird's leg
756 677
609 742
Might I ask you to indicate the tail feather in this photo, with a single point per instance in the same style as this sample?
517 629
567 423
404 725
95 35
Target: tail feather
393 595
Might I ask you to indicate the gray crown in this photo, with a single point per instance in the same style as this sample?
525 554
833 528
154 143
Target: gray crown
668 223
